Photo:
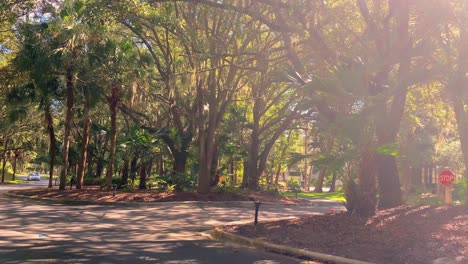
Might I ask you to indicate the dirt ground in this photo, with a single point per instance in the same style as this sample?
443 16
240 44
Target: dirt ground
94 194
400 235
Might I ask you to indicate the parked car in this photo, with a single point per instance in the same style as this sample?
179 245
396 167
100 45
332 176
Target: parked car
34 177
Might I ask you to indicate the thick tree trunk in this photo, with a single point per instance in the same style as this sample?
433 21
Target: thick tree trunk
214 162
459 83
4 159
67 128
323 171
277 175
142 185
205 164
253 157
333 183
125 171
90 162
319 183
84 149
462 123
14 166
52 142
133 168
206 137
389 124
367 201
245 175
99 167
113 103
389 182
180 161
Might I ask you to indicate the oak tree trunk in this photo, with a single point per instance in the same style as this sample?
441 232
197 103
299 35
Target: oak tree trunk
319 183
333 182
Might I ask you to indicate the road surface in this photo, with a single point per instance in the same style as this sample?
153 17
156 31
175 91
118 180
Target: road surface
33 232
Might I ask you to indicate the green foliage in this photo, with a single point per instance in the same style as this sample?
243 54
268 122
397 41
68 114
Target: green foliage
334 196
294 185
225 188
351 194
179 181
88 181
389 149
15 181
272 189
459 192
428 199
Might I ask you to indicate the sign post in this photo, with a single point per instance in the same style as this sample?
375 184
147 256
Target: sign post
446 178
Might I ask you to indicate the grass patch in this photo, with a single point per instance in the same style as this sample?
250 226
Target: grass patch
15 181
335 196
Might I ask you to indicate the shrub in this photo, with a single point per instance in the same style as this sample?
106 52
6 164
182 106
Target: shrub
273 189
224 188
176 181
92 181
429 199
294 185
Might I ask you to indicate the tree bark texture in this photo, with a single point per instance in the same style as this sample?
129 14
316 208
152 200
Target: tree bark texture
142 184
52 142
367 202
333 182
67 128
113 103
4 158
84 149
125 171
319 183
459 83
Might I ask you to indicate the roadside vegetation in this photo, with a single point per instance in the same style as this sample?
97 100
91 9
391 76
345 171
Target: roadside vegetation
367 99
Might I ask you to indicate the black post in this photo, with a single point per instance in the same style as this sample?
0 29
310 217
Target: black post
257 206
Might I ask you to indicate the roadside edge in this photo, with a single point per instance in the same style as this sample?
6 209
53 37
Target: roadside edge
219 234
140 204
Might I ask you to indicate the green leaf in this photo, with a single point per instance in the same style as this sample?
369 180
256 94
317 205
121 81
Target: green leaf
388 149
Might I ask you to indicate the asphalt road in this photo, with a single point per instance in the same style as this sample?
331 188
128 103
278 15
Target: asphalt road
33 232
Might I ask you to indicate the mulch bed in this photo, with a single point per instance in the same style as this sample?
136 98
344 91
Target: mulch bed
400 235
95 194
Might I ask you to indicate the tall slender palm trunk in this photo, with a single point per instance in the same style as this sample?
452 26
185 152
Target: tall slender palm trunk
52 141
84 148
113 103
67 124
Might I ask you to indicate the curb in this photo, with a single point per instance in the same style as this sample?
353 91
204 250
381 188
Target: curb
220 234
149 204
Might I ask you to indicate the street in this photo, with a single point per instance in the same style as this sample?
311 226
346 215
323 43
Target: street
34 232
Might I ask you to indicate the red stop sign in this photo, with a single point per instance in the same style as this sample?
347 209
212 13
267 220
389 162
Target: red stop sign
446 177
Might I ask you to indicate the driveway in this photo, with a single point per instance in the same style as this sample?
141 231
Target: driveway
164 233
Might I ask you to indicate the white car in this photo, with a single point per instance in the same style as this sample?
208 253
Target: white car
34 177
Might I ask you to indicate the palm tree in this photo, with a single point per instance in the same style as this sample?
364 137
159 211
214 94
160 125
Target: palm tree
73 34
116 64
37 82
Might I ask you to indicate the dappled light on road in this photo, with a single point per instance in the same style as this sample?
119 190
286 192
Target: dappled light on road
162 233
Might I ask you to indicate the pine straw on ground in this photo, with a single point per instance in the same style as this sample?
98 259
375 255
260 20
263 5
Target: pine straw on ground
95 194
400 235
